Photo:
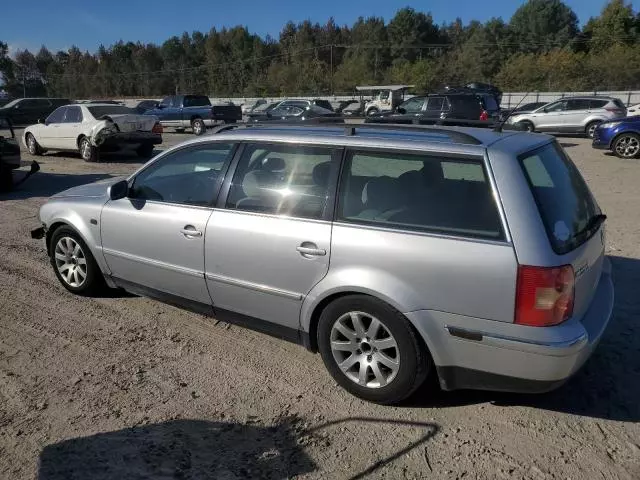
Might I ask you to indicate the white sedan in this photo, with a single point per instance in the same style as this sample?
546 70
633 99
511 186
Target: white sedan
633 110
90 128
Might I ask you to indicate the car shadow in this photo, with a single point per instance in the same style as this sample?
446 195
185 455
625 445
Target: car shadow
122 156
568 144
44 184
201 449
607 387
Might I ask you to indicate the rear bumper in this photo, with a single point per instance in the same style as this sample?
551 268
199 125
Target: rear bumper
124 138
484 354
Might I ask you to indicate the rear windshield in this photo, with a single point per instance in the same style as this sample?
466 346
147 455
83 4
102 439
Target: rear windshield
490 103
196 101
101 111
564 200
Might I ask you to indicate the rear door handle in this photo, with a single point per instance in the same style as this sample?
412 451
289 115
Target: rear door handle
316 252
190 231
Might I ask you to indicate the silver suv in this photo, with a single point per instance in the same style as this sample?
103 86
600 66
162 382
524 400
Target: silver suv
398 253
571 115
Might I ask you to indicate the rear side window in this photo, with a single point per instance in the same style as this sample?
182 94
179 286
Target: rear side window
489 103
196 101
435 103
419 193
565 203
597 103
578 104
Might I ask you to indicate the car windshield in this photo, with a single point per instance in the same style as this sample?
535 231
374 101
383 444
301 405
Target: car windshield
102 110
12 103
563 198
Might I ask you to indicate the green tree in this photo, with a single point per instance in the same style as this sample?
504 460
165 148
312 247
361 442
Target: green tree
409 29
541 25
616 25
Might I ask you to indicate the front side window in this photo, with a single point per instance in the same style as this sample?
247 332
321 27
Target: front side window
73 115
189 176
435 103
57 116
283 180
419 192
196 101
413 105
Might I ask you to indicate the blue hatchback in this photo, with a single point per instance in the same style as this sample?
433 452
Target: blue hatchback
621 136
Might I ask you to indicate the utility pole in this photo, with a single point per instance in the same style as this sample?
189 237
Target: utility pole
331 55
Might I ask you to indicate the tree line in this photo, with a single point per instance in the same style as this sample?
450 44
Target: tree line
541 48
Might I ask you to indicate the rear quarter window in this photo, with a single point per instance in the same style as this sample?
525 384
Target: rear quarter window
419 193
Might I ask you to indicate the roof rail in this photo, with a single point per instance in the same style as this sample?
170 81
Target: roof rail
351 129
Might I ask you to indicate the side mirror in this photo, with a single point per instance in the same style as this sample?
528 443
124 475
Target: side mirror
118 190
160 106
401 110
41 121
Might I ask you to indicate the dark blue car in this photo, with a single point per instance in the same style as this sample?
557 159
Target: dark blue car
621 136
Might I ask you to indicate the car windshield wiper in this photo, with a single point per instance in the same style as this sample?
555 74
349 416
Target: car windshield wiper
593 223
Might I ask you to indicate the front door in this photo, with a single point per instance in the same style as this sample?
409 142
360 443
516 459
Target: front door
69 130
270 243
552 118
49 133
155 237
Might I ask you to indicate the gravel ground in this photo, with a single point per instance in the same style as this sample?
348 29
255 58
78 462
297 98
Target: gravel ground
124 387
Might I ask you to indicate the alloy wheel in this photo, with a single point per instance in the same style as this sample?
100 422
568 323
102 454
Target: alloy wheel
31 145
197 128
71 262
628 146
85 149
365 350
592 130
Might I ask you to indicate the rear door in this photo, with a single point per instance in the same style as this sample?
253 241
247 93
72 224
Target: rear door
569 214
269 242
575 115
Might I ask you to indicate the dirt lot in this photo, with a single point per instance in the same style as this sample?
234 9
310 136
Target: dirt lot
124 387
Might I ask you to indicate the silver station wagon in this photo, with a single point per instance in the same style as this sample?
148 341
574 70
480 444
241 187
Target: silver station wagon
398 253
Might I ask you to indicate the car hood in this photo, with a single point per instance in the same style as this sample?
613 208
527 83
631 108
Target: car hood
90 190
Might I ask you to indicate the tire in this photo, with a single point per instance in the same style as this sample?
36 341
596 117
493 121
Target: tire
88 152
6 179
395 360
32 145
591 128
67 251
627 146
526 126
145 150
372 111
198 126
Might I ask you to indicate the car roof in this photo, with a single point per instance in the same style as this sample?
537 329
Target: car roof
454 140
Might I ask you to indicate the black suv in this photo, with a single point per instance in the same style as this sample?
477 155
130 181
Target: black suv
27 111
448 107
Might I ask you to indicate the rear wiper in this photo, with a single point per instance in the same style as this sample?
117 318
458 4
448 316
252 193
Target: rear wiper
593 223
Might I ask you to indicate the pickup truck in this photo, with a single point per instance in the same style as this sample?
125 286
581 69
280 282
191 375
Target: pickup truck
193 111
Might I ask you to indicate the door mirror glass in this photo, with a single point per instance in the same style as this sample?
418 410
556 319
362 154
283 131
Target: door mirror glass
401 110
41 120
118 190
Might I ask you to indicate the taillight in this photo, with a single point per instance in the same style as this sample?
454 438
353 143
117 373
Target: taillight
484 116
617 111
157 128
544 296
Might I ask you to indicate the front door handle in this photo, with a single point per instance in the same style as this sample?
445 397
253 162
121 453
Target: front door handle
311 251
190 231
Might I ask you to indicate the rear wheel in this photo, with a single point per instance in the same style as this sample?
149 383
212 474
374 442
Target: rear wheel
198 126
627 146
372 111
145 150
590 130
74 264
32 145
371 349
88 152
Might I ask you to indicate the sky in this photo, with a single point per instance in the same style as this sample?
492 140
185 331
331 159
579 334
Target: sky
59 24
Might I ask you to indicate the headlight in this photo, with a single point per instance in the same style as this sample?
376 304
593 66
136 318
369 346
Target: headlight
610 125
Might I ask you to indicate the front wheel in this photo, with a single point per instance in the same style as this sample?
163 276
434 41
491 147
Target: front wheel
73 263
198 126
88 152
526 126
371 349
372 111
591 129
627 146
32 145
